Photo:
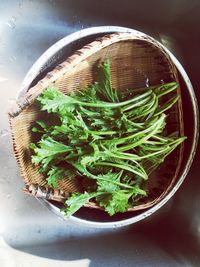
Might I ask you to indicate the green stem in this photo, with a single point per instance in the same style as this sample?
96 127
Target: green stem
154 126
152 129
139 103
102 104
120 155
162 139
101 133
170 147
121 166
92 176
148 110
167 105
167 89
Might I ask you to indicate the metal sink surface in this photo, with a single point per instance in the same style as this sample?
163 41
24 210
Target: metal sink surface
30 234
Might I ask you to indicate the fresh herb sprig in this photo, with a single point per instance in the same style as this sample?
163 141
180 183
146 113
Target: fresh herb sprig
109 141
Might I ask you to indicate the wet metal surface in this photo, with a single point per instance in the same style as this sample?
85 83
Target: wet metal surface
30 234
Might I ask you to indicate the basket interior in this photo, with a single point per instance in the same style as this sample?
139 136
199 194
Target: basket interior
135 63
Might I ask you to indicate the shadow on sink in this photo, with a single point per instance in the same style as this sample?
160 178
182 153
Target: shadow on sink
149 243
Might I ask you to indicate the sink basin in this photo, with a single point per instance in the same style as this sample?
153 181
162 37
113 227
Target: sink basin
30 233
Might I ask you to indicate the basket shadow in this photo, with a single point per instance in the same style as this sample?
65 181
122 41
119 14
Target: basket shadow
157 240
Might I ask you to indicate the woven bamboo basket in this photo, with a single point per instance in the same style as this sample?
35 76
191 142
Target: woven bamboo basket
135 59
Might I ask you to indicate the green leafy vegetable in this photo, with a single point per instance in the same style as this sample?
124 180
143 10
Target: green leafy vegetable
76 201
107 140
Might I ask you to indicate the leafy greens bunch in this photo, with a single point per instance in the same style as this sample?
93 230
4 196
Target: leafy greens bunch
108 140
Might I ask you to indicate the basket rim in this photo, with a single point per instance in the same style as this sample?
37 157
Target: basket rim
194 145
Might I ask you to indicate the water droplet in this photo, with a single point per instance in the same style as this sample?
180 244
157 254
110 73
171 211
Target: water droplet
147 82
143 75
162 81
75 18
115 226
12 58
60 219
13 18
8 195
136 251
3 132
11 24
82 26
15 209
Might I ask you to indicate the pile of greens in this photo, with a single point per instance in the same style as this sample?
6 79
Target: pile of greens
108 140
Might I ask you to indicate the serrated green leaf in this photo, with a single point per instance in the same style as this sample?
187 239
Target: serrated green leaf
76 201
47 150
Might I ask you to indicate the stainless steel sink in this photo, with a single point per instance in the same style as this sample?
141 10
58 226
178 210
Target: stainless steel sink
30 234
